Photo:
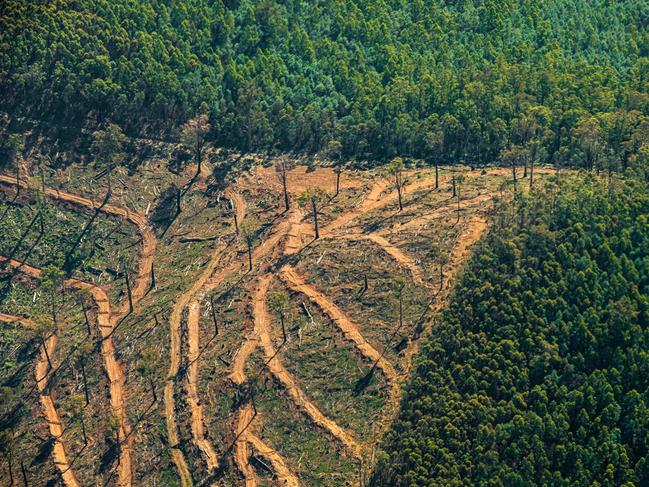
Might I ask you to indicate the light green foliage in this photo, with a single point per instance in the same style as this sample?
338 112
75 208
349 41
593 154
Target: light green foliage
108 145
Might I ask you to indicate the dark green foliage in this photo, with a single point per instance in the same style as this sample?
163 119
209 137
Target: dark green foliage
378 76
537 373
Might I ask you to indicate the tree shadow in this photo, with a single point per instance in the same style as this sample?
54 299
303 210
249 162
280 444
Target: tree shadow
364 382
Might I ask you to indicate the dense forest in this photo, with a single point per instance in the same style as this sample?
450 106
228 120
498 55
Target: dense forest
559 81
537 373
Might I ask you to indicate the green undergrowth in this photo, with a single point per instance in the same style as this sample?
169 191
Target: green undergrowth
310 453
328 369
340 275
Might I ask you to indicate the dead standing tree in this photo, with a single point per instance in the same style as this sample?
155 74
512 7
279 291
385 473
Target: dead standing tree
395 170
248 234
459 180
334 151
313 197
435 143
193 135
278 303
282 167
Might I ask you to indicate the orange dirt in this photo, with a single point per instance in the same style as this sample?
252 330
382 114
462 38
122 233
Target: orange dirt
300 179
113 368
41 374
294 233
283 474
174 365
198 428
105 320
262 329
349 329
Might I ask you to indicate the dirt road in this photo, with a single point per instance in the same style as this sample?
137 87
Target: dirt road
195 406
112 367
41 374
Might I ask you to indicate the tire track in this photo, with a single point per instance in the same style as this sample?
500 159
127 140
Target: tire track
107 321
262 328
55 425
112 367
349 329
196 408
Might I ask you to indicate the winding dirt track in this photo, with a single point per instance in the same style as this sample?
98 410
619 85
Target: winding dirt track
174 366
349 329
207 281
262 328
283 474
149 243
292 232
112 367
41 374
196 408
107 321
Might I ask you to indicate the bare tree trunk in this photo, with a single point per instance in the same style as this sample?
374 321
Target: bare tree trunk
153 282
281 319
453 187
85 380
514 175
337 182
24 472
249 256
83 429
524 167
178 198
286 200
128 291
85 316
11 473
441 277
531 173
315 219
216 324
153 393
47 354
436 174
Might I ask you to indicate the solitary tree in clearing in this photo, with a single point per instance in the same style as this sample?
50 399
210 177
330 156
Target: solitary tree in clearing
278 303
395 170
282 168
334 151
248 237
313 197
193 135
